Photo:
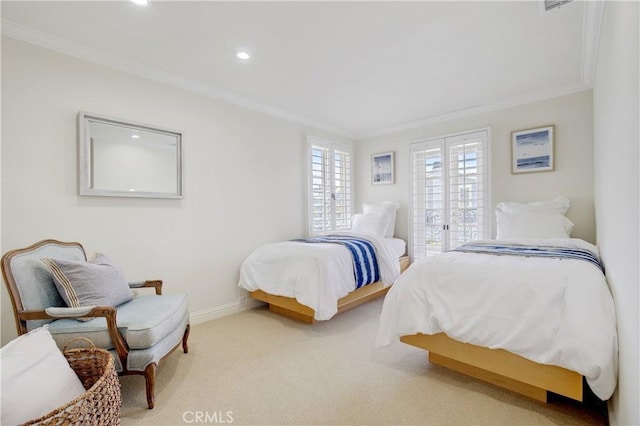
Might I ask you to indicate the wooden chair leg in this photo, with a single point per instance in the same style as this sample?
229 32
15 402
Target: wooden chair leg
150 380
185 346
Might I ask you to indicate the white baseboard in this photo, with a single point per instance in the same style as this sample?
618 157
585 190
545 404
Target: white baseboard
209 314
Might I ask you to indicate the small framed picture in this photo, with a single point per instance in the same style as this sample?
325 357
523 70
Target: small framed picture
532 150
382 168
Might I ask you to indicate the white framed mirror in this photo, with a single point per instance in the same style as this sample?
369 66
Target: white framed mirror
123 159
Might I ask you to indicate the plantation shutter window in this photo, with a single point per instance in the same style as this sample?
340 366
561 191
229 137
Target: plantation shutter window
342 189
320 189
449 192
330 179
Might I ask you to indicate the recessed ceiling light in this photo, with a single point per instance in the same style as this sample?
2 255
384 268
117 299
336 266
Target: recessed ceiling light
140 2
135 136
243 56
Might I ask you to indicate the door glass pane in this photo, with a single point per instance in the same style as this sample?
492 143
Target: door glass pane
428 207
465 192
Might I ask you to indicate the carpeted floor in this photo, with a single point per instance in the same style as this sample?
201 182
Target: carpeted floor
257 368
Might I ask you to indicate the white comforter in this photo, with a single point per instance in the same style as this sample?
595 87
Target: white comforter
551 311
316 275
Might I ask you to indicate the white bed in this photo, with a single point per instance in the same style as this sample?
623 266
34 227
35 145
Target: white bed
316 276
531 324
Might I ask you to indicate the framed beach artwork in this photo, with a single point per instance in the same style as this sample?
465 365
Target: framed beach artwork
532 150
382 168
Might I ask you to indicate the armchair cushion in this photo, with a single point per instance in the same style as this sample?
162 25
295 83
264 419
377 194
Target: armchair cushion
97 282
143 321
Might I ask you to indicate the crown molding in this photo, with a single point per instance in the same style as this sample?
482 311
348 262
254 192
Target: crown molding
474 110
592 20
48 41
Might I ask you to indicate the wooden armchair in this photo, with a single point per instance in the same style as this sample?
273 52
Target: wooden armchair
138 333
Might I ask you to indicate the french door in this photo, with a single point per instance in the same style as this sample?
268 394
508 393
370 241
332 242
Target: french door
449 192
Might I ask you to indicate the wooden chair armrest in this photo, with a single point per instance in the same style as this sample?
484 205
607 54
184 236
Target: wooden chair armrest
95 312
79 312
157 284
107 312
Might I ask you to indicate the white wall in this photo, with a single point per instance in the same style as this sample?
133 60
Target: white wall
244 177
573 175
616 157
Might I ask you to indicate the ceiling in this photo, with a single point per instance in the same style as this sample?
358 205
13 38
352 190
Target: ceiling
353 68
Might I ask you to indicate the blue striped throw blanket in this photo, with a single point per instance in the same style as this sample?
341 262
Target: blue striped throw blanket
363 253
531 251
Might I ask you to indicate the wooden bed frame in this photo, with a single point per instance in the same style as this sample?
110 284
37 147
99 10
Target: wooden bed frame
499 367
291 308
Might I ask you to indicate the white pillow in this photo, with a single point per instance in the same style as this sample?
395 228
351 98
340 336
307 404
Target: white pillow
36 378
526 225
386 209
371 223
559 205
396 246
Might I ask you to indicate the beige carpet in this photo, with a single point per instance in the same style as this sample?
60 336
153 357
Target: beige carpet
258 368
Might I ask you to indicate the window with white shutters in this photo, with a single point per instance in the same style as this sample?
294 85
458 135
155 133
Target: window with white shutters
449 192
330 196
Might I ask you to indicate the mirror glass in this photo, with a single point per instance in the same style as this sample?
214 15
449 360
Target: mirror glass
121 159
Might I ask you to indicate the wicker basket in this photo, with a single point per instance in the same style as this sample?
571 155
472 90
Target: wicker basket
100 405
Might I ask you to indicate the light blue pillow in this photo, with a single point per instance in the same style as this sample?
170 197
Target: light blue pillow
97 282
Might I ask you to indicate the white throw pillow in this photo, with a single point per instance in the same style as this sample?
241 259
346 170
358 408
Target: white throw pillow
386 209
559 205
36 378
514 226
371 223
